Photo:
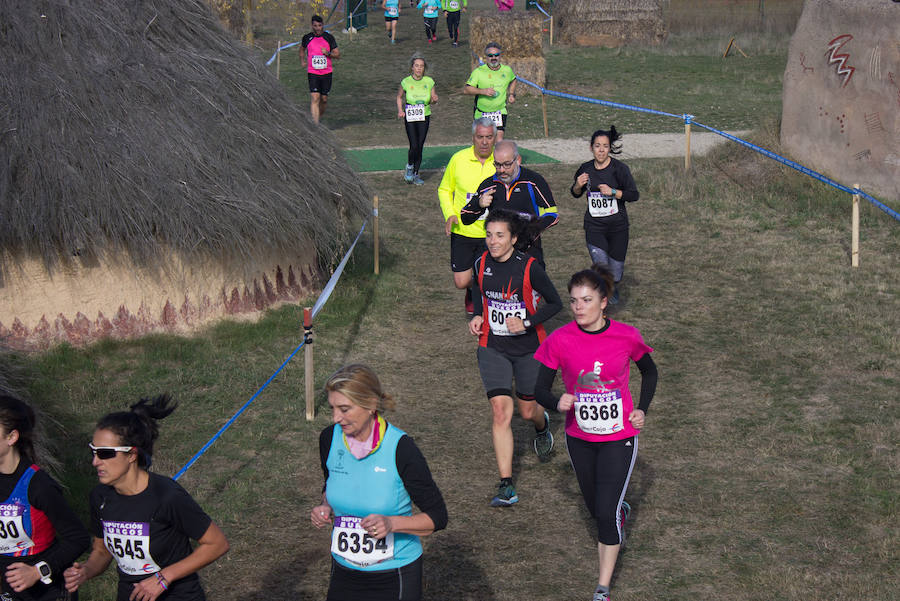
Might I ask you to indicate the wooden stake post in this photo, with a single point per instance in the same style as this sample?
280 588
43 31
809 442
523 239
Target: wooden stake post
551 30
375 230
308 364
544 111
687 145
854 236
278 60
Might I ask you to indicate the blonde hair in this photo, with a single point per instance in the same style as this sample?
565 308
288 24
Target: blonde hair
361 385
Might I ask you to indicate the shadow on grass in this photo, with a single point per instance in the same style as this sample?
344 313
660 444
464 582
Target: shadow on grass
453 572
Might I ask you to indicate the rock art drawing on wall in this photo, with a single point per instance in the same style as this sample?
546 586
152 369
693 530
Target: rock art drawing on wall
806 68
842 68
873 123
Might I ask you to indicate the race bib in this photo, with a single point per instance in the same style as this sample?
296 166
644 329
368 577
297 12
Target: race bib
599 412
12 532
602 206
500 311
129 542
319 61
496 117
353 543
415 112
481 217
393 11
454 4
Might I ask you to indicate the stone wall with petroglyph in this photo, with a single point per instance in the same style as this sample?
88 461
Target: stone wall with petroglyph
841 99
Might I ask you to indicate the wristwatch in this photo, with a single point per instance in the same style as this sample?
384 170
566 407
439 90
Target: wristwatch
44 571
526 323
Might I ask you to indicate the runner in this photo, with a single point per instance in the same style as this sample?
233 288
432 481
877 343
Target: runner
519 190
414 100
375 547
317 49
141 519
466 169
40 535
432 11
594 355
391 16
452 10
507 323
494 86
607 181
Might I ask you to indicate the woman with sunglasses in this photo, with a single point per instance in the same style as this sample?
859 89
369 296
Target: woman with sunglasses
594 355
141 519
609 187
40 536
374 473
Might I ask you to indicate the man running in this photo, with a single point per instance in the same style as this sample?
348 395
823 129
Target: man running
516 189
452 10
494 86
466 169
318 48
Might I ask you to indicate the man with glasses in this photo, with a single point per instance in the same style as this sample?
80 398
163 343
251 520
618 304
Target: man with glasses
465 170
516 189
494 86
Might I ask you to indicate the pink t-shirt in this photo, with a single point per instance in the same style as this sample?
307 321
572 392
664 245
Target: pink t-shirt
316 47
595 368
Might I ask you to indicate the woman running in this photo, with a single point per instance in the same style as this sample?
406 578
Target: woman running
607 181
414 100
143 520
508 323
40 536
431 14
391 16
594 354
374 473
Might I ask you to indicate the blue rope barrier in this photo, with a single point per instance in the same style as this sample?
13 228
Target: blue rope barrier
320 302
688 119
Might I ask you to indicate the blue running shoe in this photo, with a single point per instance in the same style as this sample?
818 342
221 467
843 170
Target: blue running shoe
506 496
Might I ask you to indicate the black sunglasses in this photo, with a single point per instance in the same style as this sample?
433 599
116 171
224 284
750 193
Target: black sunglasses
493 55
107 452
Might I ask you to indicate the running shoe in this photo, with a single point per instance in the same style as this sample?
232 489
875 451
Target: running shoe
408 176
600 596
418 180
543 441
455 44
506 496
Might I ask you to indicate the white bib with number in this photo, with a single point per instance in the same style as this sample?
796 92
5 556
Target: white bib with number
129 542
353 543
415 112
484 215
500 311
319 61
496 117
13 537
454 5
599 412
602 206
393 11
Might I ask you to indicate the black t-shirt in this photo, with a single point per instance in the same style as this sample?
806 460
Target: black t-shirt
70 538
165 514
615 175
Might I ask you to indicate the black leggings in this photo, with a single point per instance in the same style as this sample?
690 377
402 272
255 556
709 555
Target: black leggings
603 470
430 27
453 25
403 583
416 132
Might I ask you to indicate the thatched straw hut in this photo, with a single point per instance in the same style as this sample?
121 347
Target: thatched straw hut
520 35
608 23
152 173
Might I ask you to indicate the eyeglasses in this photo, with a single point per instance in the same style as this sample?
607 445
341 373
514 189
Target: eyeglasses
492 55
506 165
107 452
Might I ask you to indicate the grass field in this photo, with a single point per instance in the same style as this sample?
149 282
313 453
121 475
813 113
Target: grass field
768 466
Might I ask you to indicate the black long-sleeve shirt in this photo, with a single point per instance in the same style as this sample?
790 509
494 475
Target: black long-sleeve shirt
615 175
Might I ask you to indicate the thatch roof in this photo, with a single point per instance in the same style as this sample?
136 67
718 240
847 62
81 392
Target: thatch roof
133 127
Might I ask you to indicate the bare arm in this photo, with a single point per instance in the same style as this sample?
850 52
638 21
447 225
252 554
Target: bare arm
96 563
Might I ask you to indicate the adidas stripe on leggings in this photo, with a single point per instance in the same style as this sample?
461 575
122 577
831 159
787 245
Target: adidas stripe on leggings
603 470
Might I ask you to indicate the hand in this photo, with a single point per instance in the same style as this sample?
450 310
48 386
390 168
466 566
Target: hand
490 92
565 402
515 325
400 114
378 526
605 190
74 577
449 224
321 515
147 589
637 418
21 576
486 197
582 181
475 325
